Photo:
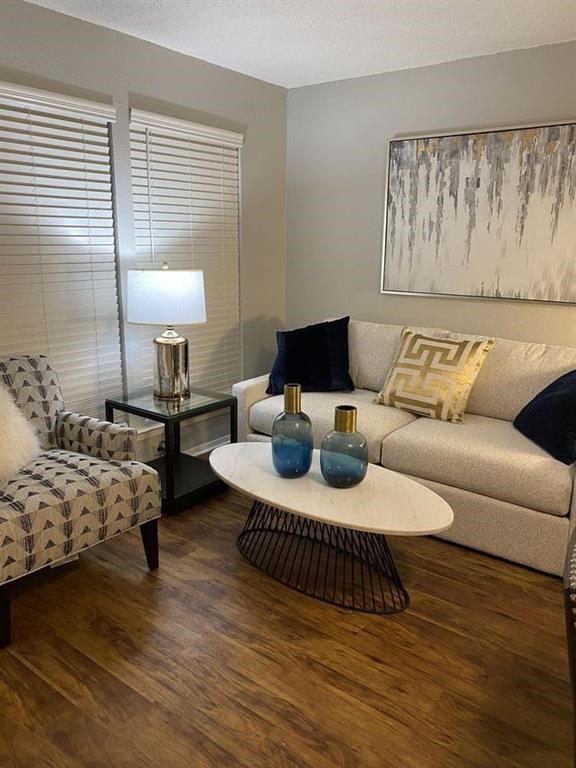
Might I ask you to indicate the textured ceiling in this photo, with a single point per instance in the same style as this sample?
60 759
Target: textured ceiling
301 42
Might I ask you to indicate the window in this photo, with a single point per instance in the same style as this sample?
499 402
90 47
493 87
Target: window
58 292
58 262
185 183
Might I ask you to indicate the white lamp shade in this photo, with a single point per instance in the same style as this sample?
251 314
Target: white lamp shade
166 296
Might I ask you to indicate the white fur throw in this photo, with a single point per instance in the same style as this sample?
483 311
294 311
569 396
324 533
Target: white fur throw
19 444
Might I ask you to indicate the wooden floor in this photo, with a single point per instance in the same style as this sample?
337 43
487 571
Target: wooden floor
208 663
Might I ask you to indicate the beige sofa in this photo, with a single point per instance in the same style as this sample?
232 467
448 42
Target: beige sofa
510 498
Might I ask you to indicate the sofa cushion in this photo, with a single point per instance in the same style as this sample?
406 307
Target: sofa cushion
482 455
513 373
374 421
19 444
372 348
316 357
550 419
65 502
432 376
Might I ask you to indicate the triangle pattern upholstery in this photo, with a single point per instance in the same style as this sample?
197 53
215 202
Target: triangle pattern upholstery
101 439
65 502
35 387
82 489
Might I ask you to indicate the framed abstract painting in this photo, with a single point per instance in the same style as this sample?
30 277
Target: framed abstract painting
489 214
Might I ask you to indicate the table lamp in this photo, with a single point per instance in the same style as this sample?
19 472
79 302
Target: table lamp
167 297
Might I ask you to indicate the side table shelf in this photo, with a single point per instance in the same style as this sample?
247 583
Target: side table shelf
185 479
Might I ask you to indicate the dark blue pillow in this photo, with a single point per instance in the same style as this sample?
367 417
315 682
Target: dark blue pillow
549 419
316 357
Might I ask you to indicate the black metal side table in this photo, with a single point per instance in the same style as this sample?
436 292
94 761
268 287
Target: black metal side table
185 479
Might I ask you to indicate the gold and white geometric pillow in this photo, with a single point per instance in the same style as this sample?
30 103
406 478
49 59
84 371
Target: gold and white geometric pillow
433 376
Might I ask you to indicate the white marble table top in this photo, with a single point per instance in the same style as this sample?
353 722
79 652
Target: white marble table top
384 502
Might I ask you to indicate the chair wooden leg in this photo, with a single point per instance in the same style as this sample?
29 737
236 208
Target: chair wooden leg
5 617
149 532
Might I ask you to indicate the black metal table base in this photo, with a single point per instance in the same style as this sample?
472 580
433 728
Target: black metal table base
349 568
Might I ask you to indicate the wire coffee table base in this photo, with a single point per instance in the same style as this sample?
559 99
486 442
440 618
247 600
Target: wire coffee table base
349 568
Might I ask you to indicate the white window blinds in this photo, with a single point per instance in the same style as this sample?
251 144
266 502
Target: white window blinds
185 183
58 293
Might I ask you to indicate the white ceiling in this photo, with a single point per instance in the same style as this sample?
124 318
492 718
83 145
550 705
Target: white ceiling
301 42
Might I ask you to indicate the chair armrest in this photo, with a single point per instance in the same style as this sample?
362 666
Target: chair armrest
101 439
247 393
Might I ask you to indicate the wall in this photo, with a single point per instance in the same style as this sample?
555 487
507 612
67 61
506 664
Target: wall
337 150
44 49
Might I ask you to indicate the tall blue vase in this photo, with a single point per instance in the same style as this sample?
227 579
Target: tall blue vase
344 452
292 436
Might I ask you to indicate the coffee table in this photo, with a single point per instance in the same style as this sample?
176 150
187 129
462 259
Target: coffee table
325 542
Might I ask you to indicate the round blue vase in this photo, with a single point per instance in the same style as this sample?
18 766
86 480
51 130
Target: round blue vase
344 452
292 436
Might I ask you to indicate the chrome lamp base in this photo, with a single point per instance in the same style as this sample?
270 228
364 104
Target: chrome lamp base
171 380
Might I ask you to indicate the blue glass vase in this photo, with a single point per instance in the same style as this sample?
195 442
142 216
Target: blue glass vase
344 452
292 436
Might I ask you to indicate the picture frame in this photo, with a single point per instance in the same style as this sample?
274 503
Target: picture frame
482 214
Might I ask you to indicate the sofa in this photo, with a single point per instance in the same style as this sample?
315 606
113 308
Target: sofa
510 498
83 488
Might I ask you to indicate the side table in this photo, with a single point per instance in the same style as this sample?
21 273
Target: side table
185 479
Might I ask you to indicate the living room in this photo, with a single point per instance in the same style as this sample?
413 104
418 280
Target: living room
254 158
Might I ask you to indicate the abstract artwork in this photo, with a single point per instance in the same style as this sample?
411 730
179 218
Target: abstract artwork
489 214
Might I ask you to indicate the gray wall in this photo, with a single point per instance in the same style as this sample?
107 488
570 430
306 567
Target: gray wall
337 150
337 144
44 49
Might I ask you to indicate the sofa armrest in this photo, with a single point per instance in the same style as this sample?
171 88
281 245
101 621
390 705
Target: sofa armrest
247 393
101 439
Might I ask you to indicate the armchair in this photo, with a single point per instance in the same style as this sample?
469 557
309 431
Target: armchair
84 488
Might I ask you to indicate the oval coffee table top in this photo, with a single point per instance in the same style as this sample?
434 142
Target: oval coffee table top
384 502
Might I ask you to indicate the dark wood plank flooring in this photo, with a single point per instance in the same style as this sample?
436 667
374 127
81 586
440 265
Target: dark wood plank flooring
208 663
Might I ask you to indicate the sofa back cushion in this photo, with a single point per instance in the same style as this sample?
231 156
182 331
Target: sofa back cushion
514 372
372 349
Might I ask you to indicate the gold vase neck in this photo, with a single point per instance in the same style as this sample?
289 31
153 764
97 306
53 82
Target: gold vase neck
345 418
292 398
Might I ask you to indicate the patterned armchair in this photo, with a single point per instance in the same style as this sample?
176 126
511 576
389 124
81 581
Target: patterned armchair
84 488
570 605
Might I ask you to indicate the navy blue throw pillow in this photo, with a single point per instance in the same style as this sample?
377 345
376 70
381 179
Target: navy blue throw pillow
549 419
316 357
